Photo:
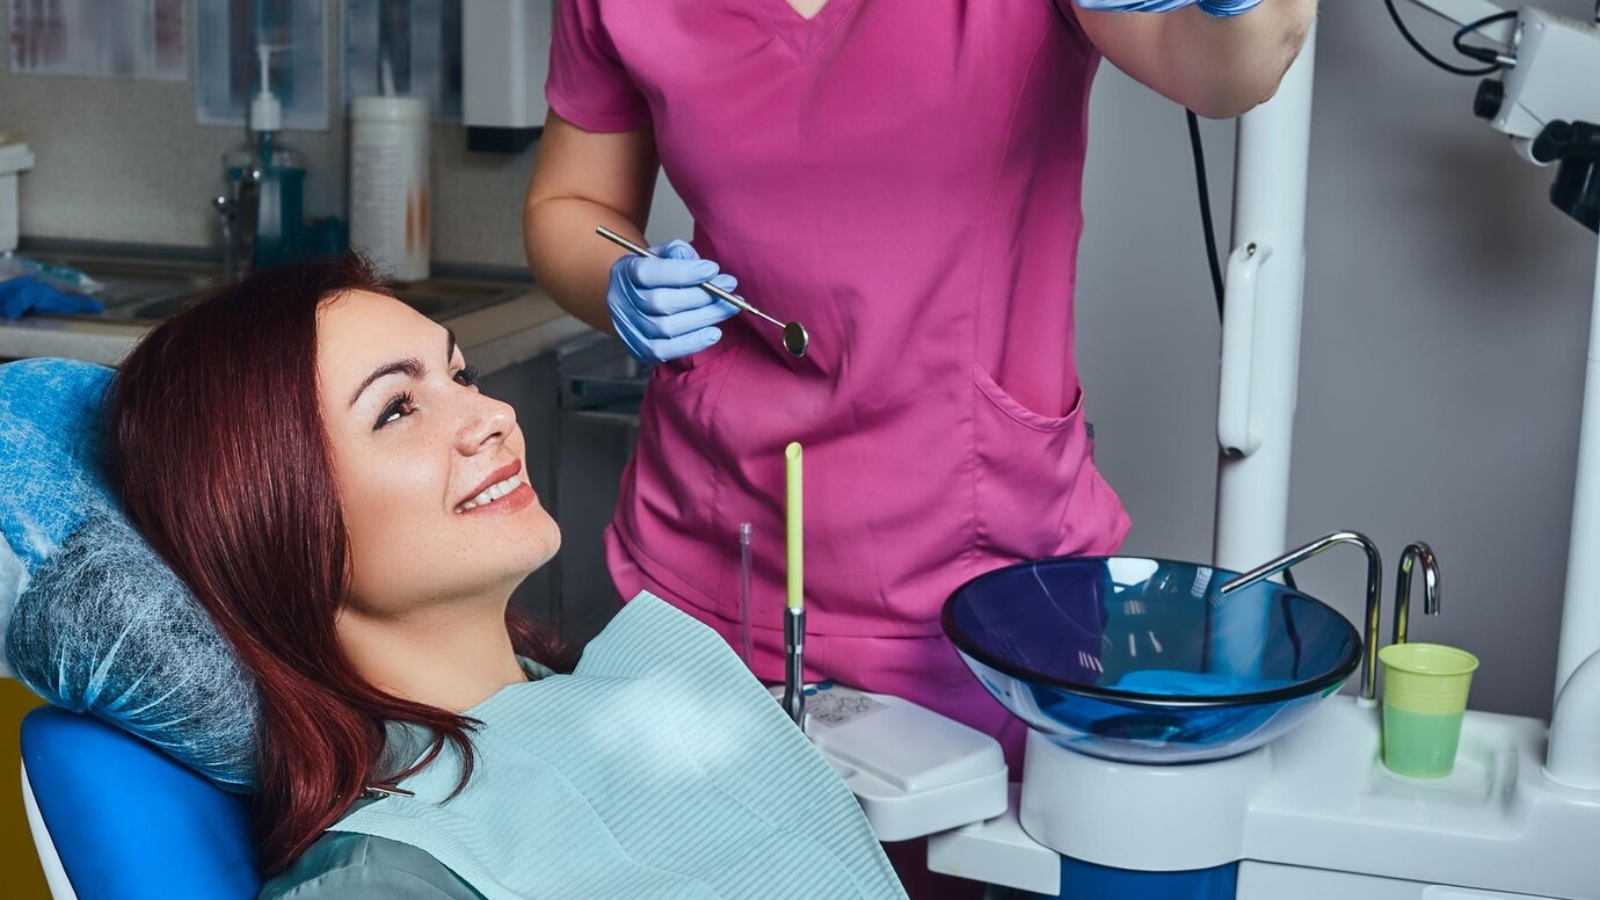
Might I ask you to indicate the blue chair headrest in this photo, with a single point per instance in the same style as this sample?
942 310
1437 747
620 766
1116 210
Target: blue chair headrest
91 619
128 822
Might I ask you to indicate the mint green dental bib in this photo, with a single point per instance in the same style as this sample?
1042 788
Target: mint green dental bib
659 769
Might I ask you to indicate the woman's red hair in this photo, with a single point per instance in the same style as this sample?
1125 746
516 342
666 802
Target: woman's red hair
223 463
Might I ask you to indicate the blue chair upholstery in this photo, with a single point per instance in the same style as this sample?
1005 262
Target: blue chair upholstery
129 823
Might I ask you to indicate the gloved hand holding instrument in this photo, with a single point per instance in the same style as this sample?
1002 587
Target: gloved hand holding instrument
658 306
654 309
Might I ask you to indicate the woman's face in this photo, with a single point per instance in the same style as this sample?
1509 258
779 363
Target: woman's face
431 473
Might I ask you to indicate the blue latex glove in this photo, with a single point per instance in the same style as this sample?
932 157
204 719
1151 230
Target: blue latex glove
26 294
1219 8
658 307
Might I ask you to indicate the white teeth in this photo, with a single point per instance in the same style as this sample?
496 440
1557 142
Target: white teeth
491 493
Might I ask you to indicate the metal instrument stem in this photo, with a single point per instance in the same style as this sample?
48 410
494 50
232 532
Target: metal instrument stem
794 676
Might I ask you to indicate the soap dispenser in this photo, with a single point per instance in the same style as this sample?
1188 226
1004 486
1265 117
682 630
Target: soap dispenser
280 217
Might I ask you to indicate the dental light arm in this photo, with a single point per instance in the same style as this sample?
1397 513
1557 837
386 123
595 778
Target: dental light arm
1549 81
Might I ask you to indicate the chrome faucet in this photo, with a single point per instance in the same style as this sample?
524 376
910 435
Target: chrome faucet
239 214
1369 658
1415 553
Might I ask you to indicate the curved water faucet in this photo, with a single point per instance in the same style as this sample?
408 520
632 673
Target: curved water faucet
1415 553
239 213
1369 657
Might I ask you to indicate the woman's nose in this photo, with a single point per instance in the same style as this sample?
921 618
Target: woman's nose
487 424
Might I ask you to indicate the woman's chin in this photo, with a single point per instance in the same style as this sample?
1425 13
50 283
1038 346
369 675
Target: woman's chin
536 553
490 563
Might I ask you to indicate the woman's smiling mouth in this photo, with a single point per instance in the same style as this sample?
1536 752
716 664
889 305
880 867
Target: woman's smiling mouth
505 490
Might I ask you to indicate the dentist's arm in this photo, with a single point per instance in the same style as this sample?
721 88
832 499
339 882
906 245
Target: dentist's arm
1218 67
583 179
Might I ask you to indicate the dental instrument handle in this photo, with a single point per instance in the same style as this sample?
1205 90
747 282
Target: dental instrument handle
794 674
708 287
744 595
794 616
794 528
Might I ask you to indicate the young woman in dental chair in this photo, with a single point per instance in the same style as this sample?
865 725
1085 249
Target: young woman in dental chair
313 458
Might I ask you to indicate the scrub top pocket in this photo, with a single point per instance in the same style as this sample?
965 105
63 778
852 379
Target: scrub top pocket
1036 491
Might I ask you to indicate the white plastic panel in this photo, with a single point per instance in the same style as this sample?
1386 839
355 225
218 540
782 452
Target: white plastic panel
1265 881
913 771
504 70
998 852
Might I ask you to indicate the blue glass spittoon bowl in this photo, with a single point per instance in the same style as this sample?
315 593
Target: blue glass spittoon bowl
1143 660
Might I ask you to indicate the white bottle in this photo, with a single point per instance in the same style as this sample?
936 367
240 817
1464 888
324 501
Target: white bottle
391 208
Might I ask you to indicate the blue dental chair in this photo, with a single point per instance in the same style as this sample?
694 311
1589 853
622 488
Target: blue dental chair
113 818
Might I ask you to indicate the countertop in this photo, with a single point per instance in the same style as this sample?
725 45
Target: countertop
493 338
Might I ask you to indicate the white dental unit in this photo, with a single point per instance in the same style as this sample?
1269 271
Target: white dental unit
1314 814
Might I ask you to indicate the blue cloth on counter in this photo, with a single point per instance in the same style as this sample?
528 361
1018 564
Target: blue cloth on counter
90 618
660 768
27 294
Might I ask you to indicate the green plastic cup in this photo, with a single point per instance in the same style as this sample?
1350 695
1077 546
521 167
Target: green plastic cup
1424 699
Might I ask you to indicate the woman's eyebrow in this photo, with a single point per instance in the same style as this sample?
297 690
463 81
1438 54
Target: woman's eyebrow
410 367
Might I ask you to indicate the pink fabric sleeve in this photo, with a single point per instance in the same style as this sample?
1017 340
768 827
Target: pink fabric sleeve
588 85
1069 13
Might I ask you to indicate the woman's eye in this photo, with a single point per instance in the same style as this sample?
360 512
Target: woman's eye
467 375
398 408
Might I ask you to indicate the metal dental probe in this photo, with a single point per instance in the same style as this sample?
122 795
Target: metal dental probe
795 338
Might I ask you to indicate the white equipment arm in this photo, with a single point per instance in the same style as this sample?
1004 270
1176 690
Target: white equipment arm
1550 75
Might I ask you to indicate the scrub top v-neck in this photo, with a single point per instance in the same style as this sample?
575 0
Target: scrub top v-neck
904 177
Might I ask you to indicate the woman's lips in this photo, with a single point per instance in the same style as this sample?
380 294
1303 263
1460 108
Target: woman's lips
521 497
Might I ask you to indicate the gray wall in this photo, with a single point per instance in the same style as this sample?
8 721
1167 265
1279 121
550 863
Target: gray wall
1444 332
1445 326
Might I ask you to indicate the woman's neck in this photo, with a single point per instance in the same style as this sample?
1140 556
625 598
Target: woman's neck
447 656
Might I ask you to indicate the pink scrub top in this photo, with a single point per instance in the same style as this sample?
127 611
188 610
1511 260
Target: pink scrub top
904 177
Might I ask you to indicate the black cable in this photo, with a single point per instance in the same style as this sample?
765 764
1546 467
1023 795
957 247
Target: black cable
1454 70
1481 54
1199 153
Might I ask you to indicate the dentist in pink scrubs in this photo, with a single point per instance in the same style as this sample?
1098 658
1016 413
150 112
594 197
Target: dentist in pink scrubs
904 177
